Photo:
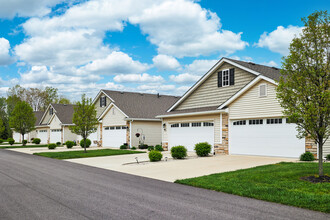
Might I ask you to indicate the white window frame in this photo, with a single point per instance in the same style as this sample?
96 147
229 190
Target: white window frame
223 78
263 84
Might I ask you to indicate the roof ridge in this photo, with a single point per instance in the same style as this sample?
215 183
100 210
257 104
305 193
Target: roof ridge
175 96
253 63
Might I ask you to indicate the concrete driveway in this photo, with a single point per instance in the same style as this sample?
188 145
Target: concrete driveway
172 170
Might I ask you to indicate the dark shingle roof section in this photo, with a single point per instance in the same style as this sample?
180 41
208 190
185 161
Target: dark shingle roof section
270 72
141 105
38 115
64 112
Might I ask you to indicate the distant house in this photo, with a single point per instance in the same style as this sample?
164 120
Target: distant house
234 108
129 117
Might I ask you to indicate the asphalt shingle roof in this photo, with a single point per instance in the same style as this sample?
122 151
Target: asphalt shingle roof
38 115
270 72
64 112
141 105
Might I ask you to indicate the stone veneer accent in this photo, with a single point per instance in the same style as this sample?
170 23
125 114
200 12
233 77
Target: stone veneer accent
223 148
128 137
311 146
101 134
165 145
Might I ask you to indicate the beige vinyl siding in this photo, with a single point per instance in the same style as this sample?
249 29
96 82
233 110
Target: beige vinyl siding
200 118
46 118
250 105
99 110
55 123
209 94
151 130
68 135
326 148
113 117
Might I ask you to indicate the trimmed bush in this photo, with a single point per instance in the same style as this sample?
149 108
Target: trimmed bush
150 148
143 146
327 157
69 144
155 156
88 143
133 148
179 152
123 147
25 142
1 141
159 148
51 146
58 143
203 149
36 141
307 156
11 141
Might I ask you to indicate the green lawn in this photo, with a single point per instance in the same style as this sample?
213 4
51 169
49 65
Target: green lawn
278 183
26 146
90 153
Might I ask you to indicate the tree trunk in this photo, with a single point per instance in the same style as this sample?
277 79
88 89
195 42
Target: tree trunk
320 158
23 140
85 145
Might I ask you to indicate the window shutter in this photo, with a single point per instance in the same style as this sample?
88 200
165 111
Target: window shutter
220 79
101 99
232 76
105 101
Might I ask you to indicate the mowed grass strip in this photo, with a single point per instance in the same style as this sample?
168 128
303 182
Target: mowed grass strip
278 183
82 154
20 146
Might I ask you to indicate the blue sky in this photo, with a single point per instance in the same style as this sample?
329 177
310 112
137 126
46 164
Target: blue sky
146 46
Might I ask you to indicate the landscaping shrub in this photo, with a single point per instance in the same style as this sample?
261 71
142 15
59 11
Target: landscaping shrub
150 148
88 143
1 141
36 141
179 152
203 149
143 146
308 156
11 141
25 142
69 144
155 156
328 157
133 148
51 146
159 148
58 143
123 147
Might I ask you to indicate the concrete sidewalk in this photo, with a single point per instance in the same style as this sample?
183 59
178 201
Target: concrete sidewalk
172 170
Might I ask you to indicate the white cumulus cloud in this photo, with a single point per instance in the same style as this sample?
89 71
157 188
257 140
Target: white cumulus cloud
5 58
165 62
137 78
279 40
184 78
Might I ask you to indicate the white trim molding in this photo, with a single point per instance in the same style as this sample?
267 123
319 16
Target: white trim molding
108 108
193 113
142 119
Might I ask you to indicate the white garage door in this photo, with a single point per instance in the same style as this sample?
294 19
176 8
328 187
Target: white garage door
114 136
55 135
265 137
17 137
189 134
43 135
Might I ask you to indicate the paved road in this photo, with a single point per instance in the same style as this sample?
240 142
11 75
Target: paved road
33 187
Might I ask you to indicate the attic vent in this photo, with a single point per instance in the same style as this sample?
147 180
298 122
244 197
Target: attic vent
141 93
252 63
275 68
122 92
158 95
262 90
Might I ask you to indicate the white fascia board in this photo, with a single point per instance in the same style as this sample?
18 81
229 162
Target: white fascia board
211 71
107 109
44 115
193 113
142 119
247 87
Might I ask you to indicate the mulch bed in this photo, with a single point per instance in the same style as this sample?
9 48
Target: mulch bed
317 179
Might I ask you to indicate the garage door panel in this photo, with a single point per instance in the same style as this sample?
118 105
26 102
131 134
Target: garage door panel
114 137
189 136
265 139
55 135
43 136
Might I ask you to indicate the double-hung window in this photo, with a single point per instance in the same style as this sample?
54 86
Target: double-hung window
225 78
